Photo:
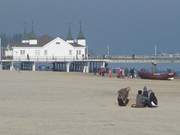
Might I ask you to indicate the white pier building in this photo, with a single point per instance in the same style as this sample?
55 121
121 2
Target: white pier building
48 48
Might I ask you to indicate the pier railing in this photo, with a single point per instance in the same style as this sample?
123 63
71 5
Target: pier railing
109 59
45 59
139 59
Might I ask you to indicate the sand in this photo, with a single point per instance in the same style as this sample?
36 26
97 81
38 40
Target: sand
52 103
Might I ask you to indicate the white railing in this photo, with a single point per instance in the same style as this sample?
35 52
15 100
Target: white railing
47 59
96 58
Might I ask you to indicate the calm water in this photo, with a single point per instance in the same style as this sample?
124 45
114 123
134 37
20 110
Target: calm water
160 67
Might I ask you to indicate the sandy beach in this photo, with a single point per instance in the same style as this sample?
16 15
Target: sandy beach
53 103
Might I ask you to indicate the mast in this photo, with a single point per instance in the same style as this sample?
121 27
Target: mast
154 64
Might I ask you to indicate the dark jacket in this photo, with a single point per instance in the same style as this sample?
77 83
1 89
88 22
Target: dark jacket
123 96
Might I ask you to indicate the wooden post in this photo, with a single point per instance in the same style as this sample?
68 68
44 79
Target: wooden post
34 67
12 66
68 67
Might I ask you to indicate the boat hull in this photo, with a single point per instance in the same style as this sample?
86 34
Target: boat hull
157 76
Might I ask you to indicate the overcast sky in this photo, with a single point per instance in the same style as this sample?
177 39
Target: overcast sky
127 26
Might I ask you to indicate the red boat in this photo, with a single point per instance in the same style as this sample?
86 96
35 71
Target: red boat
156 76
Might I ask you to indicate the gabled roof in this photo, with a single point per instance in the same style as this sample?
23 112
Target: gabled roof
43 40
58 40
76 45
26 45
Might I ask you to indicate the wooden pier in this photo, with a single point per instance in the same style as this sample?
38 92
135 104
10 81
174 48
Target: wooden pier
81 65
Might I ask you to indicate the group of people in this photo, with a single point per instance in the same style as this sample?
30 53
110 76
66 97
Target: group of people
144 98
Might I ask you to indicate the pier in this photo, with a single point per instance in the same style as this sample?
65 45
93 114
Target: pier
81 65
55 64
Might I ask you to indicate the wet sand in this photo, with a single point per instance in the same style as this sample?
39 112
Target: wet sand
52 103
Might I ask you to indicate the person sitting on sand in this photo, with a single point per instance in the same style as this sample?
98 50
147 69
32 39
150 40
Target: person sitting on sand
149 98
123 95
139 100
145 96
153 102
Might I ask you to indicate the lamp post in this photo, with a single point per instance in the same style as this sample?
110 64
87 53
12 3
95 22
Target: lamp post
155 51
108 51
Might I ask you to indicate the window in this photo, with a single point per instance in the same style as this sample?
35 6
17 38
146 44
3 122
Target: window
22 52
37 52
58 43
78 52
70 52
45 52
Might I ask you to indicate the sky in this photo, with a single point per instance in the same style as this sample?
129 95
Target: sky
126 26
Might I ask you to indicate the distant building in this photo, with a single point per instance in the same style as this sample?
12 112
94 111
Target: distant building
48 48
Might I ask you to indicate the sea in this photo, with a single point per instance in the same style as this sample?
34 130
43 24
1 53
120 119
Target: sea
159 68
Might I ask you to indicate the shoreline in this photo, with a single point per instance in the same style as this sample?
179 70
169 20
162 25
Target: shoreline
83 74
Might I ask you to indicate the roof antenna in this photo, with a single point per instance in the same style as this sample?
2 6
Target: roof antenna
69 35
80 26
32 27
25 28
81 34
